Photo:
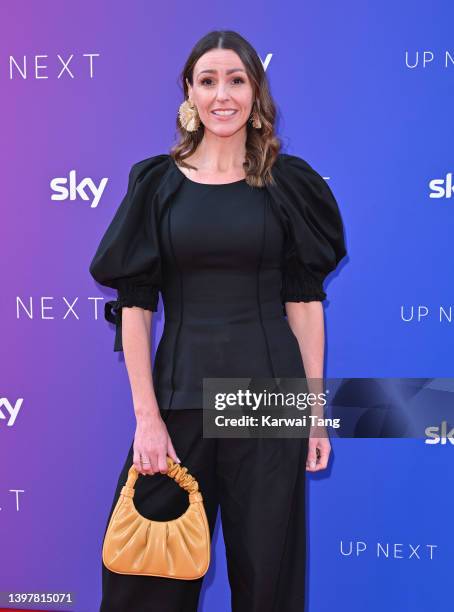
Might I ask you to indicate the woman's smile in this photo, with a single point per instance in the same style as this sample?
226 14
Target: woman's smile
224 114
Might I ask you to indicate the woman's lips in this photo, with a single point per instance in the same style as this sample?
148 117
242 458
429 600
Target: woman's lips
224 116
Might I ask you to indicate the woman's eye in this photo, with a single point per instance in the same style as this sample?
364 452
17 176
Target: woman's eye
208 80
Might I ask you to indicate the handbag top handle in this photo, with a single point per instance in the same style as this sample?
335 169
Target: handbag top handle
176 471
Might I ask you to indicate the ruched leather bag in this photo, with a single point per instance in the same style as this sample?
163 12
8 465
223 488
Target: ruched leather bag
178 548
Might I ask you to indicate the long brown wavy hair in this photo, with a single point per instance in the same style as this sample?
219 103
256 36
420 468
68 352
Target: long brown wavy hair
262 144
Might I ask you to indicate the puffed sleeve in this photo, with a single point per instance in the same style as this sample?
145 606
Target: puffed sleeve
127 258
316 235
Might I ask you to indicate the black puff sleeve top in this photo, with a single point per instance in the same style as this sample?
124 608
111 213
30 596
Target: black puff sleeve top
315 235
129 259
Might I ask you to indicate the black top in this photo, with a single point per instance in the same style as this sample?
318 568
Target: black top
225 259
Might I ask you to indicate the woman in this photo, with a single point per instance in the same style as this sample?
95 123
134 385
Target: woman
234 235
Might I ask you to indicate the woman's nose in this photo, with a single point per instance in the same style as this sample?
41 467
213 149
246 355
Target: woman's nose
221 93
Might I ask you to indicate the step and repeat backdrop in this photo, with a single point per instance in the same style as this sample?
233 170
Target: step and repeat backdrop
364 93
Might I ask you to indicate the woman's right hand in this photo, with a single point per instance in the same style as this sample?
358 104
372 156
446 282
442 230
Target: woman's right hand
152 443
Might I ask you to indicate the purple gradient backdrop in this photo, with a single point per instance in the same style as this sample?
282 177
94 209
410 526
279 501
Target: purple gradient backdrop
350 107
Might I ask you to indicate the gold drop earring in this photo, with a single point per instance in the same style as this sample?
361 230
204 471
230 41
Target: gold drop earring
189 116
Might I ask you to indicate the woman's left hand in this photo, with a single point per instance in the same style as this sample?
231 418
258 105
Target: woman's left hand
318 453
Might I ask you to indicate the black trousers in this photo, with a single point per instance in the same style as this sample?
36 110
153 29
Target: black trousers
259 485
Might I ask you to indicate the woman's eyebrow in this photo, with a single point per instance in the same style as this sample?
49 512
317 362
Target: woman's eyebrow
214 71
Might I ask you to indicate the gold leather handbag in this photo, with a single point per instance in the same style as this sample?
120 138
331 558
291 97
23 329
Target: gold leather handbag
178 548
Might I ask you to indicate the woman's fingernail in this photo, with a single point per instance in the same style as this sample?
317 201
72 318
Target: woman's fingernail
312 464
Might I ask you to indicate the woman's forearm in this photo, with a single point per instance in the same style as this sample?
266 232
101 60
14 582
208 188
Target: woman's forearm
136 327
306 320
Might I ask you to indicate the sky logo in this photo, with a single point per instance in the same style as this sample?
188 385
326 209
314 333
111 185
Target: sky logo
9 411
439 435
441 188
69 189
